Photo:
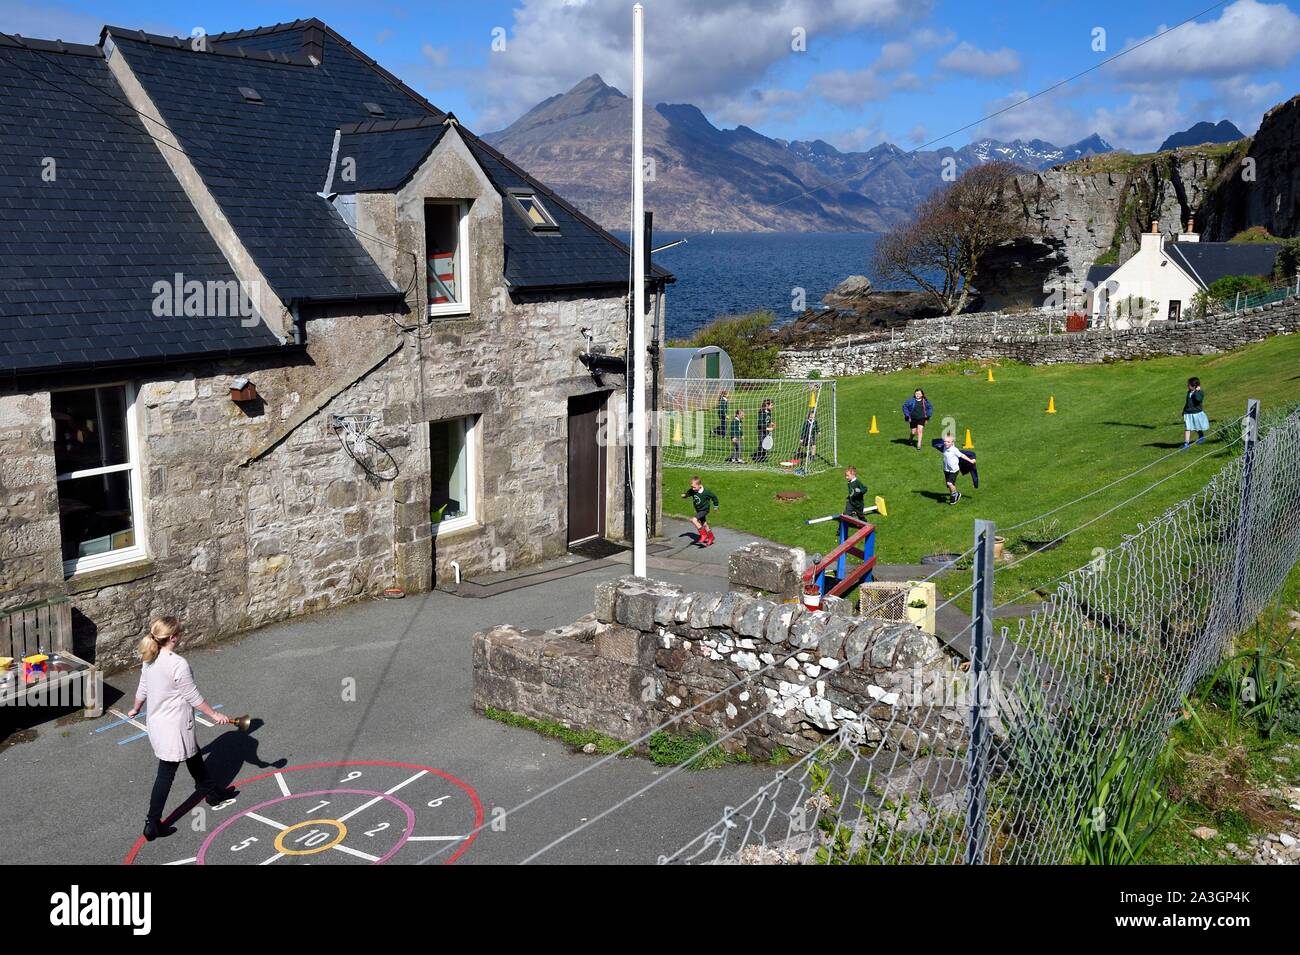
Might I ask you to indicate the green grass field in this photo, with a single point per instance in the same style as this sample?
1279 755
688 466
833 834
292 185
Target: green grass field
1111 419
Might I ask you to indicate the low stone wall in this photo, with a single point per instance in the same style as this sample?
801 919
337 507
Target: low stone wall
966 341
781 676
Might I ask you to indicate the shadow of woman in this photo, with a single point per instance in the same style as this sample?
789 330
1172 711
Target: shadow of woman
226 757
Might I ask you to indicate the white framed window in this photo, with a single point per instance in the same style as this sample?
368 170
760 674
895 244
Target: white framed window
446 255
453 466
97 465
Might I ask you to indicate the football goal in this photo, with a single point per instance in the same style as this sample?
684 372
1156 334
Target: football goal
779 424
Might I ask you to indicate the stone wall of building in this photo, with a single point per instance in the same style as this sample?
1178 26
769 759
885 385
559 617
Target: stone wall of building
972 339
763 673
255 512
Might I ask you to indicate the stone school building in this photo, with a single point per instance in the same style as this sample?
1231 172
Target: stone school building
277 333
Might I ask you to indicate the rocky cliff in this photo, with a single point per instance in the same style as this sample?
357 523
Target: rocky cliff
1091 211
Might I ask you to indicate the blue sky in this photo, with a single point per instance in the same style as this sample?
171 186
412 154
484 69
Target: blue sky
905 71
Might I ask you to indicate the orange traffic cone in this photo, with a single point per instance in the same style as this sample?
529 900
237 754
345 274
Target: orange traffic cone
1051 404
874 429
968 446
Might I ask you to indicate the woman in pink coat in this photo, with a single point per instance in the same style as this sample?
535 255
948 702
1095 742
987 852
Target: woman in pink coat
167 687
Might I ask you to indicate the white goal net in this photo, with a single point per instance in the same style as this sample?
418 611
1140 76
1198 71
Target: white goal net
785 425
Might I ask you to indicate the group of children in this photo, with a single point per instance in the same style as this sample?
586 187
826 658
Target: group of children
732 426
917 411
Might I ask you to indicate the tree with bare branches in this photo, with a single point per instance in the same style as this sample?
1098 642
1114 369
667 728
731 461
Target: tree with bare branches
940 249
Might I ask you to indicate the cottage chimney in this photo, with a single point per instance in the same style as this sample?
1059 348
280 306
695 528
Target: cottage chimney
1152 241
1190 235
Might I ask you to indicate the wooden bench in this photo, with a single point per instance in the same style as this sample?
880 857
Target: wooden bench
46 627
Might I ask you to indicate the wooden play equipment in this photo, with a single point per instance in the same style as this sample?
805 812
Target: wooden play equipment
856 538
40 635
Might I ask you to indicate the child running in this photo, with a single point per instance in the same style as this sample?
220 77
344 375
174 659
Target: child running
855 503
952 458
702 499
1194 418
917 410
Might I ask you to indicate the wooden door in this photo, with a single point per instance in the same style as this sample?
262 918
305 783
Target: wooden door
586 468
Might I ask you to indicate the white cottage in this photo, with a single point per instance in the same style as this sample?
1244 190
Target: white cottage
1161 279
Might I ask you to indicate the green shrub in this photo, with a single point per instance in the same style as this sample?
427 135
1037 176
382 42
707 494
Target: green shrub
1256 233
747 339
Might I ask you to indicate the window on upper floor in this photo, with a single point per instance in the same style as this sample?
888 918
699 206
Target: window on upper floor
531 208
446 249
97 465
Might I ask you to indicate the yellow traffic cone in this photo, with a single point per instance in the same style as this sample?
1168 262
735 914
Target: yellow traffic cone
990 374
1051 404
677 429
968 445
874 429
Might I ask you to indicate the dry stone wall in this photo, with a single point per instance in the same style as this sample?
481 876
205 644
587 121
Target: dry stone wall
753 672
964 342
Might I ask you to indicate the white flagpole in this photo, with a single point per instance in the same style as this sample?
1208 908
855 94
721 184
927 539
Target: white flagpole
636 360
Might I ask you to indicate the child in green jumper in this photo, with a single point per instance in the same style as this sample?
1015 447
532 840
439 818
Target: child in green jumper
702 499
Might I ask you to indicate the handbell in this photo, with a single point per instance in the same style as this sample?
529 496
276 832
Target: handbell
242 723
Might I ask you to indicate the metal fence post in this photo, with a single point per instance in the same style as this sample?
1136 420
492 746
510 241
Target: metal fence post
977 748
1250 432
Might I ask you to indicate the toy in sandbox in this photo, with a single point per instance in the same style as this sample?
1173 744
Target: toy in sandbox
857 538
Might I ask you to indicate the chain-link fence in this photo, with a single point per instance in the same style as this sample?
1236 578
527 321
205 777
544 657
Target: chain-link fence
1064 710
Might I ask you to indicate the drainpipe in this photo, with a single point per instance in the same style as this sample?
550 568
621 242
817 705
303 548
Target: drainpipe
455 565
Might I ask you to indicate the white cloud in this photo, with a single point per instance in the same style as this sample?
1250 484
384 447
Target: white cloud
858 138
928 38
1247 36
1240 100
434 55
1139 124
971 60
705 54
917 135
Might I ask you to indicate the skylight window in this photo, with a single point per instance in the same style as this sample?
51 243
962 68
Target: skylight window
250 95
531 208
374 109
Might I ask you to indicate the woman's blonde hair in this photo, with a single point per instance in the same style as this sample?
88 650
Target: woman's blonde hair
160 631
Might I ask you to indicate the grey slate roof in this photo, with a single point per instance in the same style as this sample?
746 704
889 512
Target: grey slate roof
267 161
1098 274
264 162
580 253
384 153
79 255
1210 261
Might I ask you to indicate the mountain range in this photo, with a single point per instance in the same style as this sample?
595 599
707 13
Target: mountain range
701 177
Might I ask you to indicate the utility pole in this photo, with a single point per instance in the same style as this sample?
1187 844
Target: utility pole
636 360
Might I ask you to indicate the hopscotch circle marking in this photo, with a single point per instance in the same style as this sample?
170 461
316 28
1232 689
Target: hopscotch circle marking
339 837
475 803
316 794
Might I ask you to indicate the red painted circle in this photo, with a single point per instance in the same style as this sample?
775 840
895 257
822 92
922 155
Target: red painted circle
469 791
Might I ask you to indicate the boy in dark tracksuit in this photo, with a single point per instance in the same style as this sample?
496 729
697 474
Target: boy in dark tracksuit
808 437
855 503
702 499
723 404
765 428
737 437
